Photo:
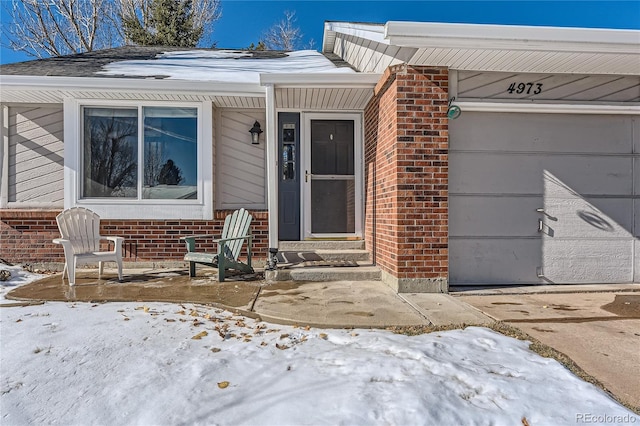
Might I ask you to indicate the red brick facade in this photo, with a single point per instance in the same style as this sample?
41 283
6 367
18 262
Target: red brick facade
25 236
406 177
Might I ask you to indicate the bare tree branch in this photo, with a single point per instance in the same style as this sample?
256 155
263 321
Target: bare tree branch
42 28
283 35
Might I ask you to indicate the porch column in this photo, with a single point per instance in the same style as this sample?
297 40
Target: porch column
4 158
272 166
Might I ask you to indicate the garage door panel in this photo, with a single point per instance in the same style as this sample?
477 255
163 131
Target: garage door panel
582 169
588 218
636 176
636 134
636 216
476 216
552 133
588 261
636 261
495 173
494 261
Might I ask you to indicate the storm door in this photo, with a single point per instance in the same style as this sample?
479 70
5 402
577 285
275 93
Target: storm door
332 180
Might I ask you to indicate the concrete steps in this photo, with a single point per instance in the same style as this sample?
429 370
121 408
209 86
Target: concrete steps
361 273
321 245
329 251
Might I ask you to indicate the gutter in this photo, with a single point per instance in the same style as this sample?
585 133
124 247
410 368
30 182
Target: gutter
22 82
511 37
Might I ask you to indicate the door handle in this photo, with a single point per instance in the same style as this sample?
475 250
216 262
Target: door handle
306 175
540 225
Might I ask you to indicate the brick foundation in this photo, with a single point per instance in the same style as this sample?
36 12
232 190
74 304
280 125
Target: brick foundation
406 178
25 236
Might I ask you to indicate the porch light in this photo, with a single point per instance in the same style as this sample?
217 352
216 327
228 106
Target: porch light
255 133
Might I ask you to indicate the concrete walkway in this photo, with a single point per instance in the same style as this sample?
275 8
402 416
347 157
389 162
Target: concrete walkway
598 330
340 304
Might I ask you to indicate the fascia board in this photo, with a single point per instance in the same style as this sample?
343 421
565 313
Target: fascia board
347 80
135 85
511 37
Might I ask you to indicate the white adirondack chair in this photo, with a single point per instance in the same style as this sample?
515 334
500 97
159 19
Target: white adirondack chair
80 230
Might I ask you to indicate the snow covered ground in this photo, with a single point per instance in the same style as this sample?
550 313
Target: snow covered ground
167 364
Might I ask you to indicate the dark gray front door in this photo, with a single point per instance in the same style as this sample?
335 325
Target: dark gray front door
289 176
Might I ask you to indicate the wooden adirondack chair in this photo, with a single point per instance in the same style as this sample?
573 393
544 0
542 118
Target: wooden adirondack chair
80 230
234 233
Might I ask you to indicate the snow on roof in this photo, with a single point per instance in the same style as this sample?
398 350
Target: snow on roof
223 65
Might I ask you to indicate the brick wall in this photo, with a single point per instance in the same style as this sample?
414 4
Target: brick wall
25 236
406 177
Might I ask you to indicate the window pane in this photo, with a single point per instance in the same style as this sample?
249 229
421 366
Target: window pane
110 152
170 153
332 147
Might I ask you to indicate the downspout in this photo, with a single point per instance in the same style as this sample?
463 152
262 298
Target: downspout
272 175
4 159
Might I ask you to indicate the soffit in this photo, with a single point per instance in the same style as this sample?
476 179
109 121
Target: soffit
370 48
325 99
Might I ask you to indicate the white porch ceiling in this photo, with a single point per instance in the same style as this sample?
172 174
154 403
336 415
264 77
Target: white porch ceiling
325 99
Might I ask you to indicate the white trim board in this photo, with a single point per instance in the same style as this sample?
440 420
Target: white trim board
547 108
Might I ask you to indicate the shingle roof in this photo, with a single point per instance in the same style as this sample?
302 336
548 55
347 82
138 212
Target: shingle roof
89 63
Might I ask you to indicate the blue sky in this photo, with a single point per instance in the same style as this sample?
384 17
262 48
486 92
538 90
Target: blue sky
243 22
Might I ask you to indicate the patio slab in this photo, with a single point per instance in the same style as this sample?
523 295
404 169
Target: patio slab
143 285
340 304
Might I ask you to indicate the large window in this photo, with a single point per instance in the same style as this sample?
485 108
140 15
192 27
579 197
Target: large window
143 152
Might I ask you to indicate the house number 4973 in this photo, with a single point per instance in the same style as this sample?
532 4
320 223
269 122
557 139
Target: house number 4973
526 88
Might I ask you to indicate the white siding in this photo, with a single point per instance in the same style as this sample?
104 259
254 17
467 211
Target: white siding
240 165
581 169
36 156
574 87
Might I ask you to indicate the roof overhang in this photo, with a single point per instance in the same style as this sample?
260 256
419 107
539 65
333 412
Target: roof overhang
48 90
320 80
374 32
322 91
473 47
331 91
511 37
22 82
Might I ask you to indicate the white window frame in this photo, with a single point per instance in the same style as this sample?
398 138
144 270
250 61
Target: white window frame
127 208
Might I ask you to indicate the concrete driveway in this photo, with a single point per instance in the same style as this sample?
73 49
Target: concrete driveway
599 331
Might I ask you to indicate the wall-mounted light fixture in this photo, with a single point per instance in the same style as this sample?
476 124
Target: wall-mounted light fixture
255 133
453 111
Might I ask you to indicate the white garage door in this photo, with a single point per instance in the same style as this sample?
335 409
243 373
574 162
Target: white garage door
544 198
